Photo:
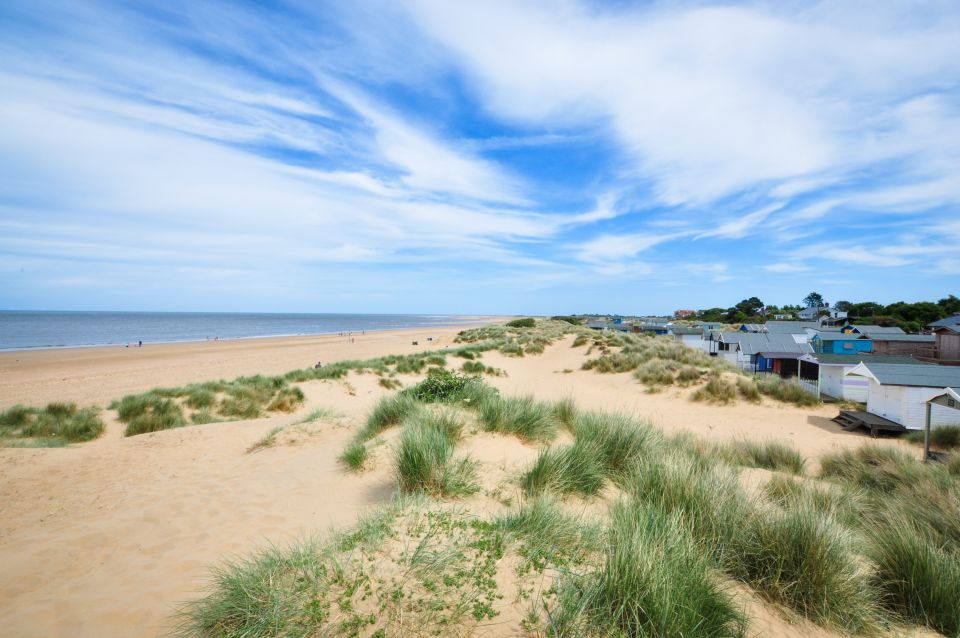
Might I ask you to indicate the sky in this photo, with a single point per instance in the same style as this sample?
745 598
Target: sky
504 157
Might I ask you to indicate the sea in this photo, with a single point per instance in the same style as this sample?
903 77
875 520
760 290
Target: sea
27 329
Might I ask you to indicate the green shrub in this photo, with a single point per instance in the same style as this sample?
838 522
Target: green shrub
654 581
527 322
525 417
354 456
442 385
573 321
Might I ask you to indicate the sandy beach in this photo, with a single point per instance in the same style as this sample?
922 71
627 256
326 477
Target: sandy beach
106 538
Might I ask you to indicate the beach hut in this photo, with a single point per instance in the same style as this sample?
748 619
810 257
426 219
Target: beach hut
899 393
946 334
901 343
948 398
840 343
687 335
830 370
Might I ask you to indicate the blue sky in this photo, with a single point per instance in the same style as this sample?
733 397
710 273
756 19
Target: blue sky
484 157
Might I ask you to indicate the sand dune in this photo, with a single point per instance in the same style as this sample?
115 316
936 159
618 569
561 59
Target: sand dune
106 538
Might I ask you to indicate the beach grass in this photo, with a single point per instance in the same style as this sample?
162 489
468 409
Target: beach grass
770 455
354 456
267 440
389 411
653 581
945 437
48 426
424 460
717 390
523 416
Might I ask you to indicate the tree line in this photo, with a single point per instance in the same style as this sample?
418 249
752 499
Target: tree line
911 317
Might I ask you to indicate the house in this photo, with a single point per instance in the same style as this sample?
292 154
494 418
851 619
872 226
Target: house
687 335
899 392
683 314
753 327
709 325
830 371
743 349
840 343
812 313
791 327
946 332
600 324
902 343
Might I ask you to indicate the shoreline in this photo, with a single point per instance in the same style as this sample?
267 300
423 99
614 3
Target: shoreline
96 375
468 321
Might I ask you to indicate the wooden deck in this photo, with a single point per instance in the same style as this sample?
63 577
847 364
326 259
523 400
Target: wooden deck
854 419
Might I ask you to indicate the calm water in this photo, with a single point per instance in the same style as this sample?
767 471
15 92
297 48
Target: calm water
30 329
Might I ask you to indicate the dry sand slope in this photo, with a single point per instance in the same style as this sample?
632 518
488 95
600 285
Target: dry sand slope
105 538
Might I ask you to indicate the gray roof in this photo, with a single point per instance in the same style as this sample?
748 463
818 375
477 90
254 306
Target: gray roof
790 327
915 376
953 322
854 359
879 329
686 330
900 337
759 342
837 336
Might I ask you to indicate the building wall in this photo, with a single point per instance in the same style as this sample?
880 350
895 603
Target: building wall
914 410
847 347
918 348
905 405
948 345
885 401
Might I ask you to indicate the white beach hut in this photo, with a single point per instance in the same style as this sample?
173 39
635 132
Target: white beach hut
899 393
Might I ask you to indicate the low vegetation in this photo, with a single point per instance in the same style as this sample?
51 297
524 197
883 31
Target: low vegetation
242 398
524 417
52 426
871 543
945 437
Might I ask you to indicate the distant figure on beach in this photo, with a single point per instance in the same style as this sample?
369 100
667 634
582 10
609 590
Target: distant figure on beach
318 366
140 343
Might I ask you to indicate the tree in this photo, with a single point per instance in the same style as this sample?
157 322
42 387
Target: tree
750 307
950 304
843 306
814 299
865 309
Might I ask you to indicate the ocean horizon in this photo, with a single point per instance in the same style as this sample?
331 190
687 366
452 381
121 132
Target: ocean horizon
44 329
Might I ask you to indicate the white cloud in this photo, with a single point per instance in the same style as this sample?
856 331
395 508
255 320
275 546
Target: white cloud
786 267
